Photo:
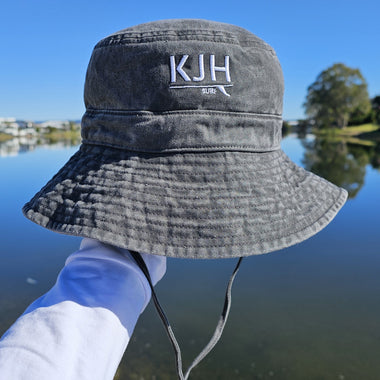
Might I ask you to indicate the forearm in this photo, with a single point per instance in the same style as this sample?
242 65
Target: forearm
81 327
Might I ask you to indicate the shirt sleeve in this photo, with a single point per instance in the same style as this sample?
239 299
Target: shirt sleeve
81 327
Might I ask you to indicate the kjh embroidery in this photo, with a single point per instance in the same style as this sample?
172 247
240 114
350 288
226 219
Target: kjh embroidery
178 68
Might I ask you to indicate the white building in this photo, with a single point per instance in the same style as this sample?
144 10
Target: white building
59 124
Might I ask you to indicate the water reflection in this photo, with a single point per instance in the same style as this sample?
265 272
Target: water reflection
17 145
340 161
308 312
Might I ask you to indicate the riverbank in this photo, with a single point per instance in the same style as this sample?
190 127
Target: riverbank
365 134
53 136
58 135
354 130
5 137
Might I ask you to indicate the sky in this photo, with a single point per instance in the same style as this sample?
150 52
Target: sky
46 44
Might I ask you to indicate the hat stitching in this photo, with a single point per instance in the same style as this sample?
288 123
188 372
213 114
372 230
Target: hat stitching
153 174
174 196
184 148
82 206
232 219
301 223
324 216
72 205
134 113
241 156
151 171
165 199
164 38
223 35
267 186
132 206
171 32
148 247
139 169
167 38
62 218
172 186
248 196
133 161
304 182
129 164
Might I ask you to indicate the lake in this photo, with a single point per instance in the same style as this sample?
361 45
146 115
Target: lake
311 311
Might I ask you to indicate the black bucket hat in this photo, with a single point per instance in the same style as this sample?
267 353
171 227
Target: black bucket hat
181 152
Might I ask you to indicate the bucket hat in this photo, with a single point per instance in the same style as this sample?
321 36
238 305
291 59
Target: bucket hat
181 149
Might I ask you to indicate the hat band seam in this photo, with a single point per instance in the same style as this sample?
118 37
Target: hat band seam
247 44
171 35
132 113
194 154
163 38
205 148
142 171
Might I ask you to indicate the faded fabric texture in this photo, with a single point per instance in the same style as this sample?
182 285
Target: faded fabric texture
181 149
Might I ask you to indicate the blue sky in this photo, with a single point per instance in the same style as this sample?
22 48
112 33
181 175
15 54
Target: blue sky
46 44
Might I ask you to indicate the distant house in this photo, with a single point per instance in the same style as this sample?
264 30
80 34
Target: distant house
10 128
24 124
16 128
27 132
7 120
25 128
293 123
59 124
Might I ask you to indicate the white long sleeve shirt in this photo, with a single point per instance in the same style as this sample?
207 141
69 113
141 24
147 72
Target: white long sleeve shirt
81 327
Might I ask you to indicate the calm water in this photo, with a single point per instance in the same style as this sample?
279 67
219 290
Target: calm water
308 312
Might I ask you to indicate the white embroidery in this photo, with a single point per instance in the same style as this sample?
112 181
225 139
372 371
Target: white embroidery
179 68
220 87
206 89
172 69
201 70
225 68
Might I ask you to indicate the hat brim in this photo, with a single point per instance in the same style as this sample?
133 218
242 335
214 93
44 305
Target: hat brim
190 205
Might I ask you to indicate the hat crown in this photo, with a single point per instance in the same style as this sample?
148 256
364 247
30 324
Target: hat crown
174 65
183 85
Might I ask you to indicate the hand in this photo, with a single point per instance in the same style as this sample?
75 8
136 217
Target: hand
156 264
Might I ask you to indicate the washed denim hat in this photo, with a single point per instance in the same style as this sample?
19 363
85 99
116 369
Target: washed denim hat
181 152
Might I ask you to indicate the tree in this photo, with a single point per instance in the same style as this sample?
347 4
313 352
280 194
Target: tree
337 93
376 109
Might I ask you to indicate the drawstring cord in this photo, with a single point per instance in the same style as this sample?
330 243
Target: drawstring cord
219 327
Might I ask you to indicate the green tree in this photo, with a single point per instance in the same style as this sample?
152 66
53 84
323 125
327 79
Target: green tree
337 93
376 109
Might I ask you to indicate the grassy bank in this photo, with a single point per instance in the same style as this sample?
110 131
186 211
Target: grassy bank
62 135
5 137
354 130
365 134
74 137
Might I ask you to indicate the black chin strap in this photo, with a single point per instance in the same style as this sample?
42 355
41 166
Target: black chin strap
219 327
